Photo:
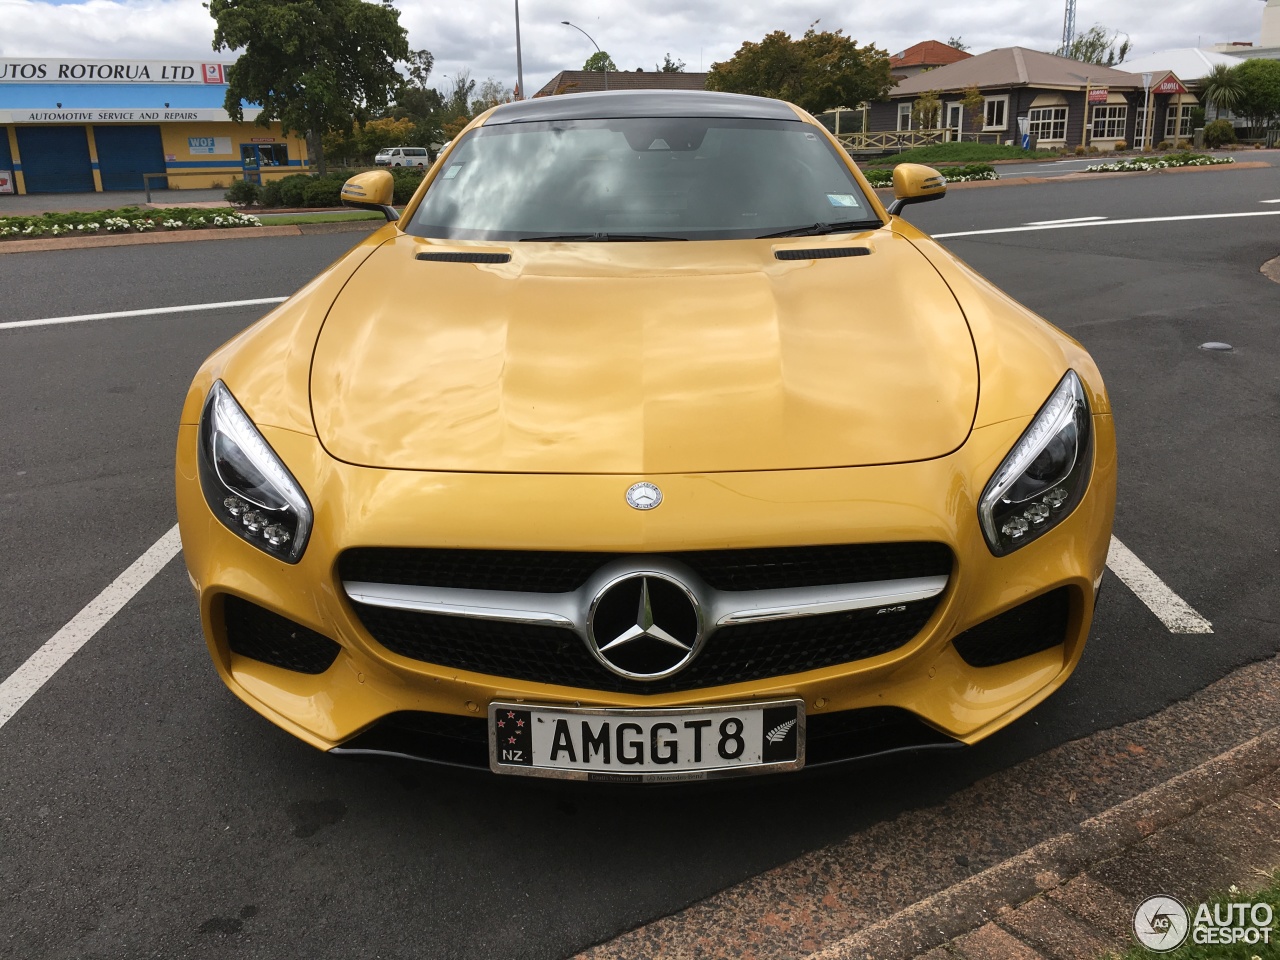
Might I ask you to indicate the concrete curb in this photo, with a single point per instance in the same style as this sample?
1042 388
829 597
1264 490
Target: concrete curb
188 236
971 903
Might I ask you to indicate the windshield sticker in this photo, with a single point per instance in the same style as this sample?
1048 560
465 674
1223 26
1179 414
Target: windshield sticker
453 171
659 144
843 200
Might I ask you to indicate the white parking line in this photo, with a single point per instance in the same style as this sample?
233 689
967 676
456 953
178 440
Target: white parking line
23 683
1050 223
153 311
1270 201
1174 612
1109 223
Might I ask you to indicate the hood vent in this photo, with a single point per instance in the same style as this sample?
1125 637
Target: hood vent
823 253
464 257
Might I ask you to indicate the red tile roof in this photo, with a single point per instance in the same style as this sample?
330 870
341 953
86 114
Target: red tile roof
930 53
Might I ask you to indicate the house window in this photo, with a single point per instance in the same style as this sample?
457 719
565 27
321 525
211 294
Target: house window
1178 127
1109 122
904 116
994 113
1047 123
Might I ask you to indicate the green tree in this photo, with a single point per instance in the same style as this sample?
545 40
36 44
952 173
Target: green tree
420 64
600 62
1260 91
974 104
669 65
1221 88
926 111
490 94
1098 45
311 64
818 72
957 43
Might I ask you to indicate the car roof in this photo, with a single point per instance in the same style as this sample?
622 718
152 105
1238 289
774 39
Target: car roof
620 104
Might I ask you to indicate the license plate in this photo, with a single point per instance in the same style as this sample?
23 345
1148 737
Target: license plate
679 743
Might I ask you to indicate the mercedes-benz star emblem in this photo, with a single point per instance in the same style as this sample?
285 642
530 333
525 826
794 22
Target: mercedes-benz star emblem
644 496
644 626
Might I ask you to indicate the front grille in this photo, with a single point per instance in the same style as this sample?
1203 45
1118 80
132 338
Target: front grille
1028 628
270 638
732 655
552 571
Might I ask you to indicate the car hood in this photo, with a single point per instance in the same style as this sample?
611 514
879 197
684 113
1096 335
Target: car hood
644 358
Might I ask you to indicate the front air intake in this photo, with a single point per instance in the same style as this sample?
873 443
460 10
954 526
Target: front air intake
269 638
1028 628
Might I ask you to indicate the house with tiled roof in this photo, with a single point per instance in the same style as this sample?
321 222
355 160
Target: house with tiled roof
1056 97
926 55
591 81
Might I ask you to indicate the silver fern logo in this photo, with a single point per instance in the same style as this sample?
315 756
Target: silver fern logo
779 733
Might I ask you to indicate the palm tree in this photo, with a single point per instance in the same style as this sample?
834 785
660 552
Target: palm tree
1221 88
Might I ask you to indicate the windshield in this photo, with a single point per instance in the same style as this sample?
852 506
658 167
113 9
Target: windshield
640 179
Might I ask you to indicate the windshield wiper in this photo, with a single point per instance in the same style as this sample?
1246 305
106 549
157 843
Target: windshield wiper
600 238
818 229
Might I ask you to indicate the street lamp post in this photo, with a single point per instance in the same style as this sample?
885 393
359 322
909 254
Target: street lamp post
594 44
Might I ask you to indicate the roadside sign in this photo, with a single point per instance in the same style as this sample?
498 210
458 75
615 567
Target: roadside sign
1170 84
1098 94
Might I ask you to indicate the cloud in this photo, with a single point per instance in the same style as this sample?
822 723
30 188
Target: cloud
479 35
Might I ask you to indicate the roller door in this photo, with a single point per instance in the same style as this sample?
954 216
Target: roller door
126 153
55 159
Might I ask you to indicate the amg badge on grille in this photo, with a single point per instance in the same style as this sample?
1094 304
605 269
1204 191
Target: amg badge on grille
644 496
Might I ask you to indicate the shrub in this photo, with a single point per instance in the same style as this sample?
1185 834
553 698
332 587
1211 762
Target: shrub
1182 145
1164 145
269 195
243 193
1219 133
1121 146
1094 148
324 192
406 183
293 190
1081 151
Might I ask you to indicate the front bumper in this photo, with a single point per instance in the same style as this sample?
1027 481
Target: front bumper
926 678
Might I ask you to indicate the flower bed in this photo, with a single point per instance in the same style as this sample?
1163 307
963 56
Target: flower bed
965 174
124 220
1140 164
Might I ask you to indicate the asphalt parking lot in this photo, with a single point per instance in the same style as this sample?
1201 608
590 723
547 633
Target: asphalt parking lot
144 812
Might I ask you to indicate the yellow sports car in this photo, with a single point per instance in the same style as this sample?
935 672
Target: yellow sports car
646 444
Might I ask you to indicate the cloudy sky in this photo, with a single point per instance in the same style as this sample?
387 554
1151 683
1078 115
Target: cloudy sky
479 35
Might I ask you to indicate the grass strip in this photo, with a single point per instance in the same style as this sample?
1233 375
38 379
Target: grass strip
1269 894
287 219
962 153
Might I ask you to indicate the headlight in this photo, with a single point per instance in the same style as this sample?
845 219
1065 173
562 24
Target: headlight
1045 475
246 485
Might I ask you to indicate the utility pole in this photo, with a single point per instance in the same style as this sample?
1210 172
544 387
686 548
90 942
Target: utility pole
1068 29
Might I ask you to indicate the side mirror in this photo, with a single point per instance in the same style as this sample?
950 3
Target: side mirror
915 183
371 191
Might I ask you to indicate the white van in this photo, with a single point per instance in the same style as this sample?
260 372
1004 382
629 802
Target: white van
403 157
